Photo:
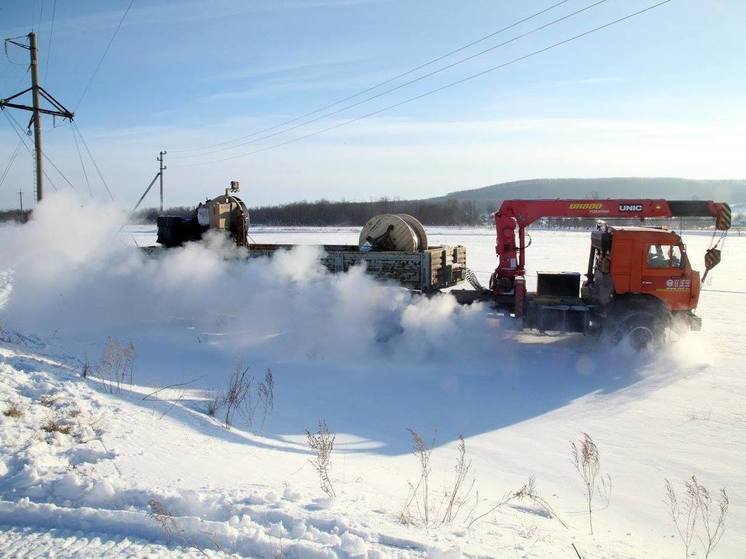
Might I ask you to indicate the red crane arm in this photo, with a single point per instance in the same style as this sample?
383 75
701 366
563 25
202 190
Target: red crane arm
527 211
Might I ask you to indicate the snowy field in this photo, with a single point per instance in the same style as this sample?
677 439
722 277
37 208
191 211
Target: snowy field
89 470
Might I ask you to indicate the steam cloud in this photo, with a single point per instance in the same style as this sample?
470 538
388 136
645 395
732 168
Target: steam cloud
72 277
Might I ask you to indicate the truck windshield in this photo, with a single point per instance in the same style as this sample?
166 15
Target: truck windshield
664 256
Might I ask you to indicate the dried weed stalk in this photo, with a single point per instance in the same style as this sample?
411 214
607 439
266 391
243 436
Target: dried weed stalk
116 365
241 396
419 493
458 493
238 393
322 445
162 516
586 459
697 516
266 395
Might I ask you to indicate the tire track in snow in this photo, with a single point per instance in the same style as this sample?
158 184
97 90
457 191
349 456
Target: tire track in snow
18 542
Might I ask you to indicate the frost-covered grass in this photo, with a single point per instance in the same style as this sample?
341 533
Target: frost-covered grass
370 360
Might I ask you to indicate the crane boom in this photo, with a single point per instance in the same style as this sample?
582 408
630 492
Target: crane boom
528 211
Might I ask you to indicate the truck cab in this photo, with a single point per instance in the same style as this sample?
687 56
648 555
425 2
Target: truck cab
647 266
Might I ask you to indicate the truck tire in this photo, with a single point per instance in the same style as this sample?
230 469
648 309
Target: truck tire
642 329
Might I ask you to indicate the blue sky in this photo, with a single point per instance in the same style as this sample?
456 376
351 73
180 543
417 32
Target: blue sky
661 94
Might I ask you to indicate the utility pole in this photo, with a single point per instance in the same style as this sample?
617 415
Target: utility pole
20 196
158 175
37 91
162 168
36 115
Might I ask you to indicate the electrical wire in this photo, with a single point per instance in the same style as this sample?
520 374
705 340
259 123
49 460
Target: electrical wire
439 89
5 46
93 160
82 163
19 130
41 16
387 81
48 160
103 56
10 162
410 82
33 14
51 35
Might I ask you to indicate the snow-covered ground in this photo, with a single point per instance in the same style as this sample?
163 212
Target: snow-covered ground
142 472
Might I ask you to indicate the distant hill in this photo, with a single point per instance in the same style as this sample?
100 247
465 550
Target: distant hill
488 198
471 207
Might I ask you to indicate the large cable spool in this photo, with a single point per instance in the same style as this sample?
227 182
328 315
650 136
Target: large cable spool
392 232
419 230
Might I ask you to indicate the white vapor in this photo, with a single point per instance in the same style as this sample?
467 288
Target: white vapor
75 280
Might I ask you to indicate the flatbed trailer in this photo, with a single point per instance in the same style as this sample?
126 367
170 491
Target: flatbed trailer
425 271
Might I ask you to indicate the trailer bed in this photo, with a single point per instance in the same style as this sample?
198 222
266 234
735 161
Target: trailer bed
427 271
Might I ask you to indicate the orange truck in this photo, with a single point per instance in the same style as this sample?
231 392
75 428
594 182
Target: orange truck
639 280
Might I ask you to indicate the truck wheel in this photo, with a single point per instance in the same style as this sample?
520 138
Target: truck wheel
642 330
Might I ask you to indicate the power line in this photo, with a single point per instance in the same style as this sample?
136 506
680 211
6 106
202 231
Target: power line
387 81
417 79
18 129
441 88
93 160
103 56
46 157
33 14
51 35
10 162
41 15
82 164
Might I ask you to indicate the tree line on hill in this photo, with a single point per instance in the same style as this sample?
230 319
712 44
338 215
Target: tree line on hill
324 212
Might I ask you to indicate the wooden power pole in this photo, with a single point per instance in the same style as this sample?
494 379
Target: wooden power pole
37 92
162 168
37 117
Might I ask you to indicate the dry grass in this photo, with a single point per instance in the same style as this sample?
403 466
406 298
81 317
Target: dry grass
213 403
322 445
116 365
48 401
13 410
459 499
458 493
266 395
417 508
245 396
52 426
167 522
697 516
238 394
586 458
